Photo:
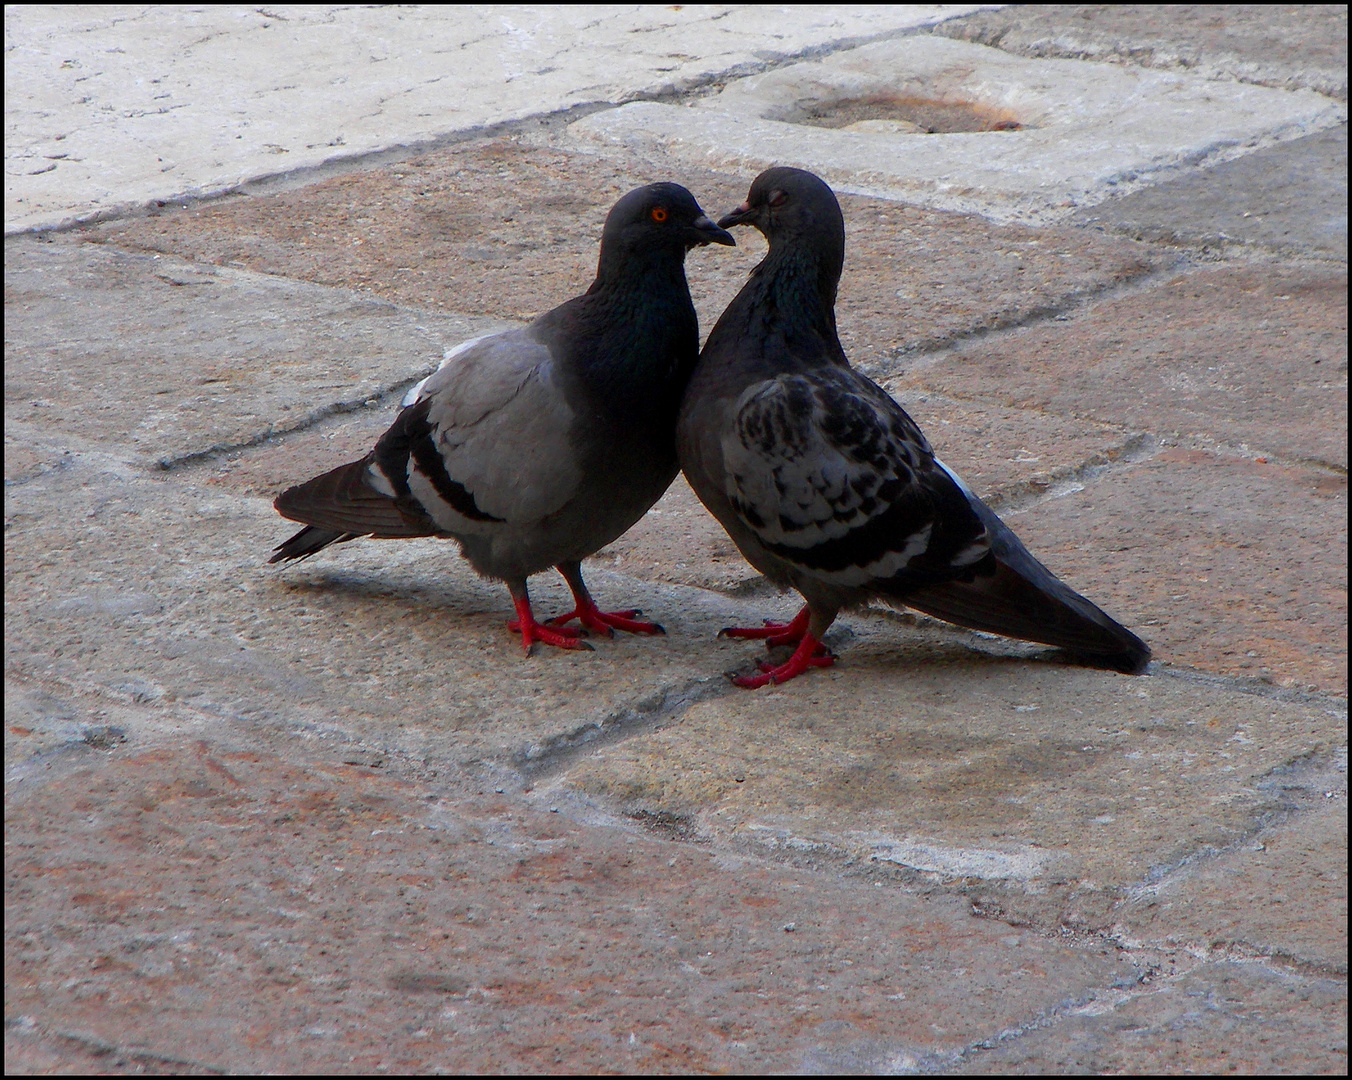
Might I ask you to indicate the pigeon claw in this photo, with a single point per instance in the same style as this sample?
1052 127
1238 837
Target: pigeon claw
606 623
772 633
565 637
567 631
809 654
562 638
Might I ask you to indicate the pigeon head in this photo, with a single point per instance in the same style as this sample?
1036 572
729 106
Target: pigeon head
801 220
660 217
793 207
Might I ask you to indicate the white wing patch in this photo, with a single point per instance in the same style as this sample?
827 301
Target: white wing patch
415 391
890 563
375 476
976 550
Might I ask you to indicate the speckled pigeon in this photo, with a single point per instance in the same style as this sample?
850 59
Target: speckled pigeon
536 447
827 485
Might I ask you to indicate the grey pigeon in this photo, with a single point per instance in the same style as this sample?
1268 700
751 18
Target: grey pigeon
536 447
824 482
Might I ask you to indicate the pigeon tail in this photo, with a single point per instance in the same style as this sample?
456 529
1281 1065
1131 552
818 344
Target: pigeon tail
1023 599
340 505
309 540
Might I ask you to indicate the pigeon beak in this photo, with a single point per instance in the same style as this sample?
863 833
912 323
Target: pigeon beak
706 232
743 215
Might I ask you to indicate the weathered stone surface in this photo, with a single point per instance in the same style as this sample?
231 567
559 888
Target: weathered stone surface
509 228
45 725
1046 135
107 110
1284 893
1303 46
1254 356
159 358
224 906
1290 198
1223 1018
1051 789
1224 564
401 642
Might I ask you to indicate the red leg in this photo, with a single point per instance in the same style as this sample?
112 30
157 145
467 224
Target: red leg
809 654
593 618
790 633
532 631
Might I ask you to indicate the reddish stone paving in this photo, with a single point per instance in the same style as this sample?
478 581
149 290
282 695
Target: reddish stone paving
232 909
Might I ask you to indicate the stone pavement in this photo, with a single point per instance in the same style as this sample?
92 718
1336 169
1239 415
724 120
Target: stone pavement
329 818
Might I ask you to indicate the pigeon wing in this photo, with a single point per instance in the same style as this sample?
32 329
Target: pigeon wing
834 478
484 444
486 440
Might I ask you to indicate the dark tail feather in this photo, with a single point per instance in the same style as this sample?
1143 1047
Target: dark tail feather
340 506
1023 599
309 540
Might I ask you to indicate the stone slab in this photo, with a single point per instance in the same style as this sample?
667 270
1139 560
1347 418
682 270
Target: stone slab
1224 564
1067 133
1305 47
157 358
508 227
107 110
1290 198
1284 893
1045 792
1220 1018
115 576
218 905
500 226
1253 356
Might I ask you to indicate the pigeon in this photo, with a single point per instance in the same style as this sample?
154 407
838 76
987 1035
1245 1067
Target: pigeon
538 446
825 483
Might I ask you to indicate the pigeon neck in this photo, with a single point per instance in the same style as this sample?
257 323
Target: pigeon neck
644 332
799 284
623 269
640 293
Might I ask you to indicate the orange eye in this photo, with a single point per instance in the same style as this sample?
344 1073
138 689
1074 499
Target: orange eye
659 214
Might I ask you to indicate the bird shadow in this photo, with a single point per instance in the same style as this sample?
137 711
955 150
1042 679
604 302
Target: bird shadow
453 596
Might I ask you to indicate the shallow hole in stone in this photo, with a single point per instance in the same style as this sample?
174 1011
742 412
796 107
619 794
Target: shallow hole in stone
900 115
671 826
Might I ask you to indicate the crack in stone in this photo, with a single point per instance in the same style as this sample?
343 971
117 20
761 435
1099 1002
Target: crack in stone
661 708
1134 449
100 1048
373 400
1242 684
929 353
1157 54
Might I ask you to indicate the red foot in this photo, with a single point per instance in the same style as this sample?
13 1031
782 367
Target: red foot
532 631
600 622
774 634
809 654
